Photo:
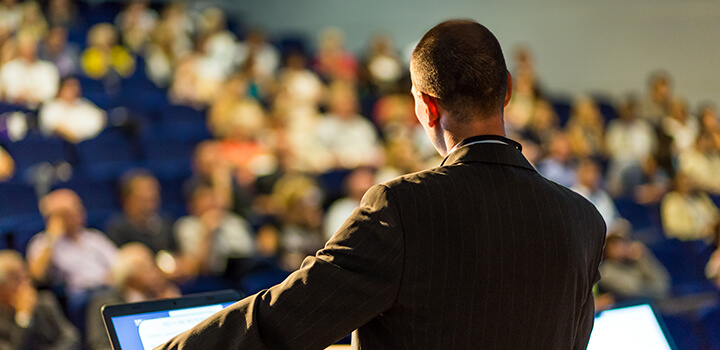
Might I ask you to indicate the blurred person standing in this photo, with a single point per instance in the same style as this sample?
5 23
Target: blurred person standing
136 278
30 319
69 254
140 219
688 213
473 254
27 79
71 116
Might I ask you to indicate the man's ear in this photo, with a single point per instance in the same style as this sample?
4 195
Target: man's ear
432 107
508 93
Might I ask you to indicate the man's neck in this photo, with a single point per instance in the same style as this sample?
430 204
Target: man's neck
454 134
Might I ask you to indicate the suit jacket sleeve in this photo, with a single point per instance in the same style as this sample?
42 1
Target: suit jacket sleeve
349 282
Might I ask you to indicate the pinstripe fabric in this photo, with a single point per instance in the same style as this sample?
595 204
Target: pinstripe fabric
481 253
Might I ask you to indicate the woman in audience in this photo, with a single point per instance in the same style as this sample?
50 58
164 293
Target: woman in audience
333 61
70 116
135 24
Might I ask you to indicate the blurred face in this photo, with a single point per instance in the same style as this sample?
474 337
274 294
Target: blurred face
68 207
56 39
15 276
70 90
203 201
589 175
206 159
28 50
144 198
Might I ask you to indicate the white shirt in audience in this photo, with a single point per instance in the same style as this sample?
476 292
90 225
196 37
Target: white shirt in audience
81 118
38 81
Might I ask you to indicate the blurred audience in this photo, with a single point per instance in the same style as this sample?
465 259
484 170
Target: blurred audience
333 61
682 127
71 116
27 79
56 49
559 165
657 103
629 270
701 164
136 278
30 319
135 24
140 219
585 129
589 185
69 255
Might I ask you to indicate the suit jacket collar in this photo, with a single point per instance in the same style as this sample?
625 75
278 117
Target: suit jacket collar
473 149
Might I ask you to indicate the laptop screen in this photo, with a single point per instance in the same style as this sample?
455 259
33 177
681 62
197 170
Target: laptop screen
148 324
148 330
631 327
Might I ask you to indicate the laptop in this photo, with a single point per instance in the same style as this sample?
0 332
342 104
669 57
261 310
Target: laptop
630 327
146 325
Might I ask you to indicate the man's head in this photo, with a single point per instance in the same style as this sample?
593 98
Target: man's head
13 273
458 67
140 194
135 268
65 204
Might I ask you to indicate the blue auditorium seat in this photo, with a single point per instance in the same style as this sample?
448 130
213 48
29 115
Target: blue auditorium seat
106 158
169 158
710 320
35 149
19 214
685 332
562 107
685 264
172 195
182 113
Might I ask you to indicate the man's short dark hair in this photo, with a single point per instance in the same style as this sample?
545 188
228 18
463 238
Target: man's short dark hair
461 63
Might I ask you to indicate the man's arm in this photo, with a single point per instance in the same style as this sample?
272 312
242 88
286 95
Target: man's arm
349 282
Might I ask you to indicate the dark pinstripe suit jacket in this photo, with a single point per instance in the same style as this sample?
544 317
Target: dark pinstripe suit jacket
481 253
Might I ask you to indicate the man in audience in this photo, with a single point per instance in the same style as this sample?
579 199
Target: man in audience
701 164
26 79
688 213
136 278
589 182
70 116
657 104
559 165
140 220
629 270
356 184
69 254
56 49
30 319
210 236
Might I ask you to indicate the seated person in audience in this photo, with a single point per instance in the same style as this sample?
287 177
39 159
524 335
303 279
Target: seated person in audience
629 270
103 56
7 165
135 24
589 185
30 319
688 213
682 127
652 184
629 141
27 79
586 128
333 61
69 254
298 86
350 139
70 116
382 64
140 219
55 49
209 169
356 184
10 15
701 164
297 199
33 20
710 121
258 59
168 42
559 165
657 103
211 235
136 278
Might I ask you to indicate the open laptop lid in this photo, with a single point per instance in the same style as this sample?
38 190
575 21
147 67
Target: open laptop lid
148 324
630 327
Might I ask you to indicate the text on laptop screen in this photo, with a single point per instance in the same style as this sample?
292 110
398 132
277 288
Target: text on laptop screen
148 330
